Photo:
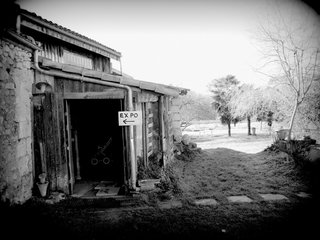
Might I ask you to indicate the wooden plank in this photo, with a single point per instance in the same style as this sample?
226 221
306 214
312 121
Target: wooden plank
108 94
144 96
93 73
69 148
130 81
49 63
72 69
78 176
167 91
147 85
62 168
162 131
144 134
111 78
49 138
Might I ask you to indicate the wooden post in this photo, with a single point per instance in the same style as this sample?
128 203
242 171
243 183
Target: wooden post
145 133
162 130
78 177
69 148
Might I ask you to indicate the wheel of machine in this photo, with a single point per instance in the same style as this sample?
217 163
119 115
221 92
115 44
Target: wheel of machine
106 160
94 161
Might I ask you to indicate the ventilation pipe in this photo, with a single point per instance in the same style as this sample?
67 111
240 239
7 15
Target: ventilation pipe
90 80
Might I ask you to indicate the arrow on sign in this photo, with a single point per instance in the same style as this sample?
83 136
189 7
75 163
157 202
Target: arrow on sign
126 121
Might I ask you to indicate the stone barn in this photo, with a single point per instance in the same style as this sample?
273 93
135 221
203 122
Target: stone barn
66 113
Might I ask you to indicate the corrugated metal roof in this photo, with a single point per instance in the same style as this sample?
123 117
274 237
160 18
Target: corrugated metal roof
34 17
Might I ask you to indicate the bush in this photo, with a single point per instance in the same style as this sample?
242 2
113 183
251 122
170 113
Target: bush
186 152
169 181
152 170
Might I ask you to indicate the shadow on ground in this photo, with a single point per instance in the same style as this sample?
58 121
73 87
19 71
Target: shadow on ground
215 173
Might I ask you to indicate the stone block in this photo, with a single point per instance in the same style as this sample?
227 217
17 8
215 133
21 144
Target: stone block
24 164
174 108
4 75
21 148
6 48
304 195
239 199
273 197
24 129
176 101
10 85
170 204
206 202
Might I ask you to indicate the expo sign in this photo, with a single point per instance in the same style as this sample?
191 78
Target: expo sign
127 118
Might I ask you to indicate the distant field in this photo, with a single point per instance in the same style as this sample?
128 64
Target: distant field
212 134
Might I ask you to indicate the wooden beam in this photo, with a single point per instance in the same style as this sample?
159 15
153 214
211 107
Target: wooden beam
107 94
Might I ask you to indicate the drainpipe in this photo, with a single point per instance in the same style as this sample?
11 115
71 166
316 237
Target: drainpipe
130 107
89 80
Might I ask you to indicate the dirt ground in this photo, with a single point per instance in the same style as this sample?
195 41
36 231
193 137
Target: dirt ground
217 172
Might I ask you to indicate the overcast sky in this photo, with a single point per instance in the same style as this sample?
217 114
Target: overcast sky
183 43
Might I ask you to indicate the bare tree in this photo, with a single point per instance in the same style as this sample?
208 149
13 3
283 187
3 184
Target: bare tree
291 44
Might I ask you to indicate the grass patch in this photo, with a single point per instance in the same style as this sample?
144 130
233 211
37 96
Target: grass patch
227 172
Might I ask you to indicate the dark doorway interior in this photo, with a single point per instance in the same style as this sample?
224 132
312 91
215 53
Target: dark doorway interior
100 139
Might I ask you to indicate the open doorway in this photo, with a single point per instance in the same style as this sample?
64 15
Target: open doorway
98 146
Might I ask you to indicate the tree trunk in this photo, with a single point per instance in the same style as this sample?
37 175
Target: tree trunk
249 125
229 129
292 118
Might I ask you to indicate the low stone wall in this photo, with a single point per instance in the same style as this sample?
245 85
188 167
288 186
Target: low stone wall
16 79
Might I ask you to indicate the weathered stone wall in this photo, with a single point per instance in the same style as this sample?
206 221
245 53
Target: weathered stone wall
16 79
174 109
174 119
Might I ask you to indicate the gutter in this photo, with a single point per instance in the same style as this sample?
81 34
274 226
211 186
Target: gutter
91 80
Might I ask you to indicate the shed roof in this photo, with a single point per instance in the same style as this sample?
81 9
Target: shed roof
33 21
129 81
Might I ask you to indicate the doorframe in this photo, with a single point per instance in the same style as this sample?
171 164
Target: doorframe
105 95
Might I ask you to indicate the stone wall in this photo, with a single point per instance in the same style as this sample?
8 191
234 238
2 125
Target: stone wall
16 79
174 118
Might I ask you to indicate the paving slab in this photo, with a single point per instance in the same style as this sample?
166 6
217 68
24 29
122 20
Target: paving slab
304 195
104 184
239 199
273 197
107 191
169 204
206 202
